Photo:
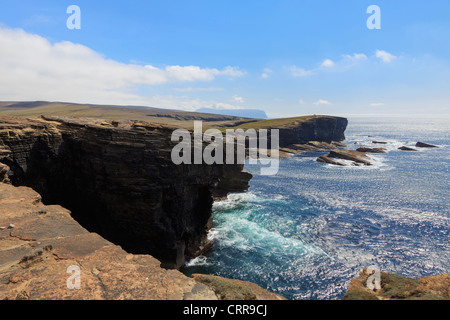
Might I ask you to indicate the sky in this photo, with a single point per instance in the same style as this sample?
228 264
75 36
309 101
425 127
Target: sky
287 58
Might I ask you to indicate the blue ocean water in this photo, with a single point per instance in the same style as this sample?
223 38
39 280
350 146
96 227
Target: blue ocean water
306 232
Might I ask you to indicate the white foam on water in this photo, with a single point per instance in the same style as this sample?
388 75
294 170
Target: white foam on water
198 261
240 200
239 233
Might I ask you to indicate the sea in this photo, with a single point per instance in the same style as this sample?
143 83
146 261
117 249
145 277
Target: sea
307 231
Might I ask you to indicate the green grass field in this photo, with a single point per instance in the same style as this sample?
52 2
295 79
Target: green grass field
163 116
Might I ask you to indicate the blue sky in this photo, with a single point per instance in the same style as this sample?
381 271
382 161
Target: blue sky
285 57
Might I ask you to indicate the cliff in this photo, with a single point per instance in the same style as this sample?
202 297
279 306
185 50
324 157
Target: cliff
118 180
127 199
301 130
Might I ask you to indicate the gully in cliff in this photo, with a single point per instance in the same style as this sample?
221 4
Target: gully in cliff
214 152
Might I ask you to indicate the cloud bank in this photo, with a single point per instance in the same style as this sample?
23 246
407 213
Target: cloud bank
32 68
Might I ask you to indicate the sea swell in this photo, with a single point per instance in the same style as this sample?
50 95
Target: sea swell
306 232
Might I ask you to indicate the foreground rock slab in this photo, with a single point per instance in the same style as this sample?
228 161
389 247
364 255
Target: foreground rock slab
397 287
35 256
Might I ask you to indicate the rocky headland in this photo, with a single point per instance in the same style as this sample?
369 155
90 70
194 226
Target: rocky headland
104 196
133 213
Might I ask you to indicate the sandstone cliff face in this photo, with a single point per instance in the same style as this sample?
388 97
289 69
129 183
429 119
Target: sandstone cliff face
118 180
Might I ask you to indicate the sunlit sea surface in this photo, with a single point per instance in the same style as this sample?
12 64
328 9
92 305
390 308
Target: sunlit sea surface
307 231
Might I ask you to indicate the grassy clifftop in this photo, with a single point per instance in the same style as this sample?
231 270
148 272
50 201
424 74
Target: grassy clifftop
284 123
164 116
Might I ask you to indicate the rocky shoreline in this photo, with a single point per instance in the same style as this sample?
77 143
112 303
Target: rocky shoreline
359 157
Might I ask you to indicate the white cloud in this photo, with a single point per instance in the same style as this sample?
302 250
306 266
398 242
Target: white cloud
32 68
301 101
266 73
347 61
356 57
328 63
322 102
377 104
386 57
238 99
220 105
194 89
184 103
299 72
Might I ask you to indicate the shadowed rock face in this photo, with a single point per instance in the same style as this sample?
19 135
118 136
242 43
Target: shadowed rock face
324 129
119 181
